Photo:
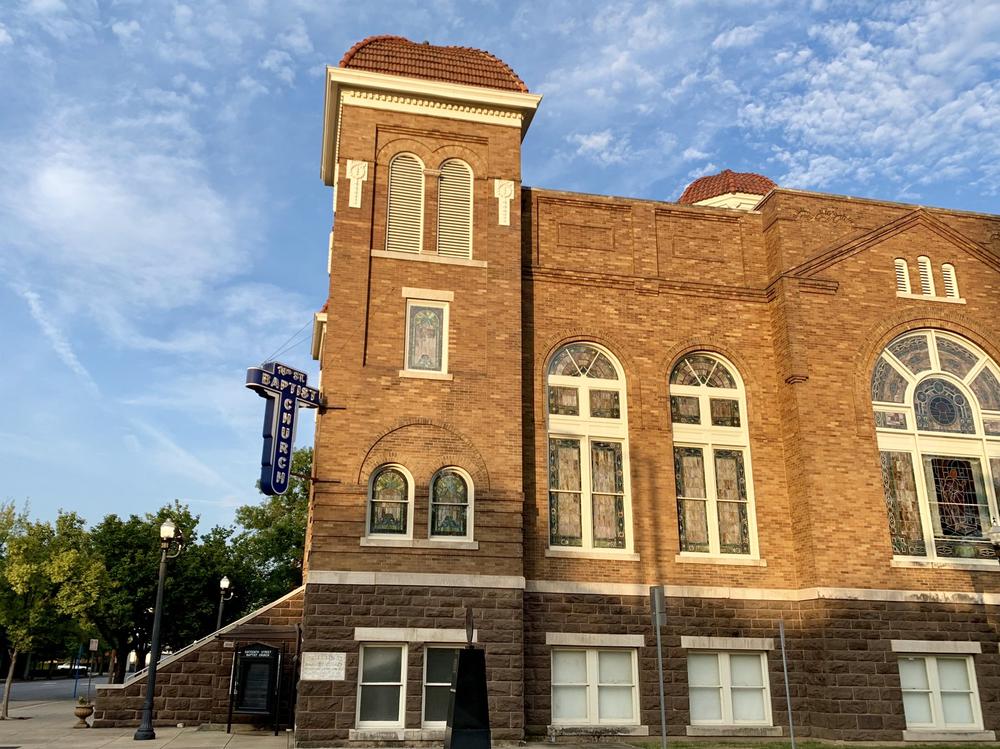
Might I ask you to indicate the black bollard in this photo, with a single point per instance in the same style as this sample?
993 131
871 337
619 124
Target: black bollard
468 708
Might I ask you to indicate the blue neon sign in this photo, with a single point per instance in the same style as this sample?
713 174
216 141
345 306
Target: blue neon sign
285 390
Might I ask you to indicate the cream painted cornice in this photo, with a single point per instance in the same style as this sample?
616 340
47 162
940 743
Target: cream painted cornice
438 98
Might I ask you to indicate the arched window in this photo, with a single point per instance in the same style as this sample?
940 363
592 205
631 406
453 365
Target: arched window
405 216
902 276
451 504
455 209
926 276
950 281
715 503
390 502
937 416
589 504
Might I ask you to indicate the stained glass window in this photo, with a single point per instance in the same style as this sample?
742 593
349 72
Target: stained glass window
987 390
958 499
449 504
390 502
701 369
685 409
425 338
912 351
890 420
955 358
992 429
725 412
692 505
888 385
901 503
565 518
564 400
582 360
731 488
939 406
604 404
608 495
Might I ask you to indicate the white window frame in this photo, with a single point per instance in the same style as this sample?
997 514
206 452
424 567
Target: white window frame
711 438
726 690
409 502
934 691
388 204
472 185
587 430
431 373
975 447
402 686
593 687
423 688
469 511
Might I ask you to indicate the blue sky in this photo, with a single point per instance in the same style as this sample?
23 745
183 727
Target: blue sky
163 225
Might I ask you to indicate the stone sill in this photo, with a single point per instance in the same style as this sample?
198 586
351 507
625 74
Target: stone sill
596 730
915 735
396 734
565 553
419 543
930 298
723 560
987 565
424 257
416 374
744 731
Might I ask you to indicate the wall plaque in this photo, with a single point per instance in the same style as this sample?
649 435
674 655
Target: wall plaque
323 667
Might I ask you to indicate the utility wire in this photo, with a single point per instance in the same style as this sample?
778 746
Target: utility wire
280 348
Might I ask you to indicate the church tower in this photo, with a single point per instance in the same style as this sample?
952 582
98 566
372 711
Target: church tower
418 497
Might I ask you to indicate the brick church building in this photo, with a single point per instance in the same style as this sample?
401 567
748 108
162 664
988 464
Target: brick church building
782 405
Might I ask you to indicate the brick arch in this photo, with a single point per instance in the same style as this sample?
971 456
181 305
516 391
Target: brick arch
751 382
456 151
548 348
881 334
404 145
424 446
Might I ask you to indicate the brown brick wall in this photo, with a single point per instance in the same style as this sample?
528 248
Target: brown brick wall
194 688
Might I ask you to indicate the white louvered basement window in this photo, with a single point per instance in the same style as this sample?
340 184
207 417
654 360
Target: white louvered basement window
926 277
455 210
902 276
950 281
405 220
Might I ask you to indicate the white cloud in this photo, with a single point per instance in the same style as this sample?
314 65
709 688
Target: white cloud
296 38
603 147
279 63
126 31
693 154
738 36
5 37
160 449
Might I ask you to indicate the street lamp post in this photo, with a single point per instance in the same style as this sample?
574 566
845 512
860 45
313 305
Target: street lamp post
170 534
224 595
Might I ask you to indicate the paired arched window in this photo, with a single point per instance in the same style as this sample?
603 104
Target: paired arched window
715 512
455 210
405 214
589 505
391 498
936 399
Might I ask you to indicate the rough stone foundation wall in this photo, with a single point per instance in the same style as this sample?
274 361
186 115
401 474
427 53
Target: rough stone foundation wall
193 689
327 709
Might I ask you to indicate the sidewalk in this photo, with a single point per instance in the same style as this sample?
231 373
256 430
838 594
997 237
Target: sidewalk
50 724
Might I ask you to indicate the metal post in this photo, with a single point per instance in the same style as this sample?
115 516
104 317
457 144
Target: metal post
788 694
76 670
658 604
222 600
145 730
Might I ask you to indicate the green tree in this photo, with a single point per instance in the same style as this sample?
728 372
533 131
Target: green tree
46 578
272 542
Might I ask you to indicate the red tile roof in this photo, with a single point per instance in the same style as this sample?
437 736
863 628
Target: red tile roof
398 56
724 182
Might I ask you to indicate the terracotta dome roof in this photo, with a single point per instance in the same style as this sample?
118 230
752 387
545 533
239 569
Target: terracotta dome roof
398 56
725 182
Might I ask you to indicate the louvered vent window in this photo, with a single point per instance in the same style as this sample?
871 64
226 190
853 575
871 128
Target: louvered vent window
455 210
902 276
405 222
950 281
926 278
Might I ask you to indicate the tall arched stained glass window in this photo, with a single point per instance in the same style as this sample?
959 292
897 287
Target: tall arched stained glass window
937 416
715 512
390 501
451 504
589 505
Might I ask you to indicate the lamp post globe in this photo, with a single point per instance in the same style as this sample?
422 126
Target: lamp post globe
224 583
224 595
170 536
